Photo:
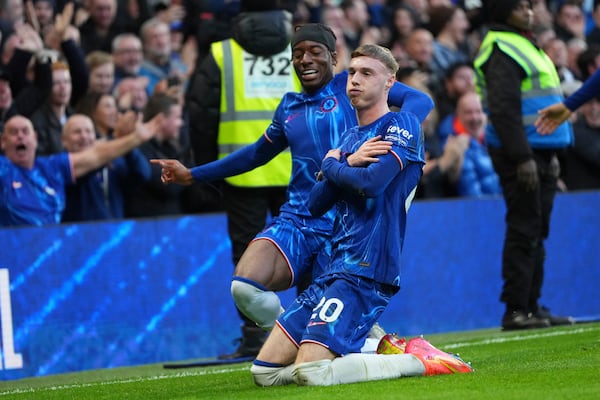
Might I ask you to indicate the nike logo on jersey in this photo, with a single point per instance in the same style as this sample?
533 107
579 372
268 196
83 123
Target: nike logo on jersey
291 117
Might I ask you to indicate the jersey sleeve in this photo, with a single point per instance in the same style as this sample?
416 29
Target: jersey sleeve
271 143
275 132
404 131
369 182
238 162
589 90
411 100
323 196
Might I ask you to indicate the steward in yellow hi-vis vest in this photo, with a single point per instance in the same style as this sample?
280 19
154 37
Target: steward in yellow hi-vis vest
539 89
516 79
249 97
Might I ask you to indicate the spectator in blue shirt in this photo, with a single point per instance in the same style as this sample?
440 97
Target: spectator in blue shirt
477 177
32 189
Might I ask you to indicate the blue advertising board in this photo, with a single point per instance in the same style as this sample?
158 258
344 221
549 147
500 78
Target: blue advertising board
120 293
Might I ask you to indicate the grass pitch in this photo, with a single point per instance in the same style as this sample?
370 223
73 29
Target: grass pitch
555 363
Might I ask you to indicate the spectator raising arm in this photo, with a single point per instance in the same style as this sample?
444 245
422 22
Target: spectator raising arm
105 151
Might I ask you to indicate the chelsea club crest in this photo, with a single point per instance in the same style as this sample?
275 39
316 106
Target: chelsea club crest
329 104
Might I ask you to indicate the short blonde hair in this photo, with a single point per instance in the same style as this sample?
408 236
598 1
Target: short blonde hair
380 53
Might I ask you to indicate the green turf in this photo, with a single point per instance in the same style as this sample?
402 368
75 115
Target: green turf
556 363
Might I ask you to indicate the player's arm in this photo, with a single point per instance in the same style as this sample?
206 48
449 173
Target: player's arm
411 100
552 116
369 181
368 152
243 160
589 90
271 143
322 197
238 162
404 131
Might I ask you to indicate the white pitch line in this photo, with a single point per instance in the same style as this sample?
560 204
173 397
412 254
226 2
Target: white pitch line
519 338
198 372
202 371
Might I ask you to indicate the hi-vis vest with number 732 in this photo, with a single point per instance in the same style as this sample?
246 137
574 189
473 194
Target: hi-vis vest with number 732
251 89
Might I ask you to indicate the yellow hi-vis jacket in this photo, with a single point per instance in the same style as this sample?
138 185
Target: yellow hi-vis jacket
539 89
251 89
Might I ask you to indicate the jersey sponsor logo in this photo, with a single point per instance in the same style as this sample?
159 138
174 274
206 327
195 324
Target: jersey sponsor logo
395 133
329 104
17 185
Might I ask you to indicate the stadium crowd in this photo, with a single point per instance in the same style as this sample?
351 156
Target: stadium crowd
107 58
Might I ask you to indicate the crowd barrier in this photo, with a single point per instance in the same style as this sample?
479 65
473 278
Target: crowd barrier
120 293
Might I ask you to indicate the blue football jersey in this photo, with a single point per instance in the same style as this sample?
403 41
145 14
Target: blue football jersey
36 196
311 125
369 225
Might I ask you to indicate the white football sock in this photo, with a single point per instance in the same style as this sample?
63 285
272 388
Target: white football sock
370 346
357 367
262 307
272 376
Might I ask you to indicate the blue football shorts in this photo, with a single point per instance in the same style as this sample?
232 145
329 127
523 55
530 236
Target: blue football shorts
336 311
305 250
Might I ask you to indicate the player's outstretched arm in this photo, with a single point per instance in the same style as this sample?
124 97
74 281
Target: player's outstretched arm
551 117
173 171
103 152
